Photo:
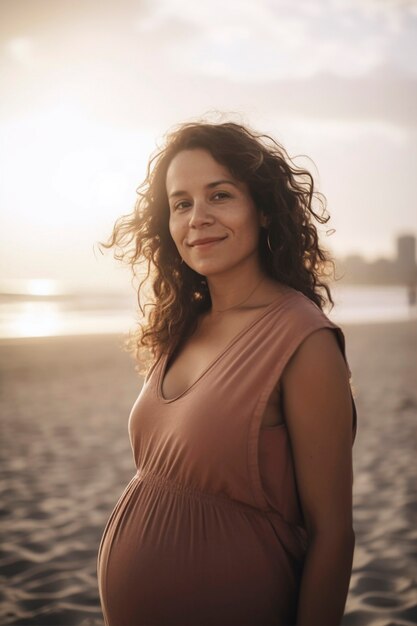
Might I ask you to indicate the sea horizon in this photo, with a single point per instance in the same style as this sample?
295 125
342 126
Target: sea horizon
45 308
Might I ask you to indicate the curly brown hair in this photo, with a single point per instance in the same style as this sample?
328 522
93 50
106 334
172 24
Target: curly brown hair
179 294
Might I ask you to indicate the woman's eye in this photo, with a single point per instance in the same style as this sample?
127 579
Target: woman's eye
222 194
179 205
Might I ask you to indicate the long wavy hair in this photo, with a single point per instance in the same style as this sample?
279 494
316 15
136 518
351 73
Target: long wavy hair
284 192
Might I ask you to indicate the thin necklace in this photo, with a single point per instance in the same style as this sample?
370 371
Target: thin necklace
243 301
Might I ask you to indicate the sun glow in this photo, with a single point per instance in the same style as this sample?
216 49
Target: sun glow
66 178
41 287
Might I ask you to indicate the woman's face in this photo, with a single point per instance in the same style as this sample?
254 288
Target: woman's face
206 201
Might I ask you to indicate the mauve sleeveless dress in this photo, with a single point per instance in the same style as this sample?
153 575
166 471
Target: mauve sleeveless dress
209 531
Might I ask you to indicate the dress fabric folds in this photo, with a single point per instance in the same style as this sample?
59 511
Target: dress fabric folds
209 531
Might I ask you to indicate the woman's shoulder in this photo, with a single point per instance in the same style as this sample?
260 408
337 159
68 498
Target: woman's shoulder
305 317
302 311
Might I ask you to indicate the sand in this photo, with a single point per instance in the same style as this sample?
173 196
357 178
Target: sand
66 458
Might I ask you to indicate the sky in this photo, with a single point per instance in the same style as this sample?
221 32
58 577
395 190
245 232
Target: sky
89 88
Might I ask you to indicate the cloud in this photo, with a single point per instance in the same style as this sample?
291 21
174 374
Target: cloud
171 59
242 40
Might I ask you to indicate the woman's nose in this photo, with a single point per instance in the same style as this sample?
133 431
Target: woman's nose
200 212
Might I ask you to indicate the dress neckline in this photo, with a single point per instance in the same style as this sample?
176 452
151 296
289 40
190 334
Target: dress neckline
165 358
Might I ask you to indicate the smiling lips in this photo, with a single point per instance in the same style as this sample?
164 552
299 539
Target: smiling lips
206 242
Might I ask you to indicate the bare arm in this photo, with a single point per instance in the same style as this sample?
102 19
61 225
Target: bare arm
318 410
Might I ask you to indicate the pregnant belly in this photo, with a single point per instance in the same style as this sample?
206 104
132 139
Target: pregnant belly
181 557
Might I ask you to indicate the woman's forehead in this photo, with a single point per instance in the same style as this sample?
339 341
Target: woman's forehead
195 166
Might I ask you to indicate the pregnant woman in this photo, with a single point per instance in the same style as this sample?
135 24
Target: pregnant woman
240 512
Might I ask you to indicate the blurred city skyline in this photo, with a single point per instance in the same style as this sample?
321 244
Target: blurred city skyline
90 87
400 270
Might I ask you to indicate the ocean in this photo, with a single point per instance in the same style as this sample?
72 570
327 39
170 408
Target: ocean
45 312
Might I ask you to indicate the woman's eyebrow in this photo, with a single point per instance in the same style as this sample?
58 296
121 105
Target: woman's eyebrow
208 186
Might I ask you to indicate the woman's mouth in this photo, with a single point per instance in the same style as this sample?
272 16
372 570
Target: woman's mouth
207 244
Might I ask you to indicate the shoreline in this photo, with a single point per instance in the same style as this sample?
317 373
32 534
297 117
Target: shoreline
412 321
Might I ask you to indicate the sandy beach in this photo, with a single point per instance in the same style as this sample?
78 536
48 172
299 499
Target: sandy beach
66 458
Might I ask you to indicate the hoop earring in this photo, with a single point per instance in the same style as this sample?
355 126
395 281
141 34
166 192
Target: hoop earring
269 243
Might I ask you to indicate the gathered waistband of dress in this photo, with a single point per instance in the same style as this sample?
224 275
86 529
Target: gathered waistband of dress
171 485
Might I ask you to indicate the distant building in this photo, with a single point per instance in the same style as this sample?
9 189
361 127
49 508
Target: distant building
399 271
406 255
